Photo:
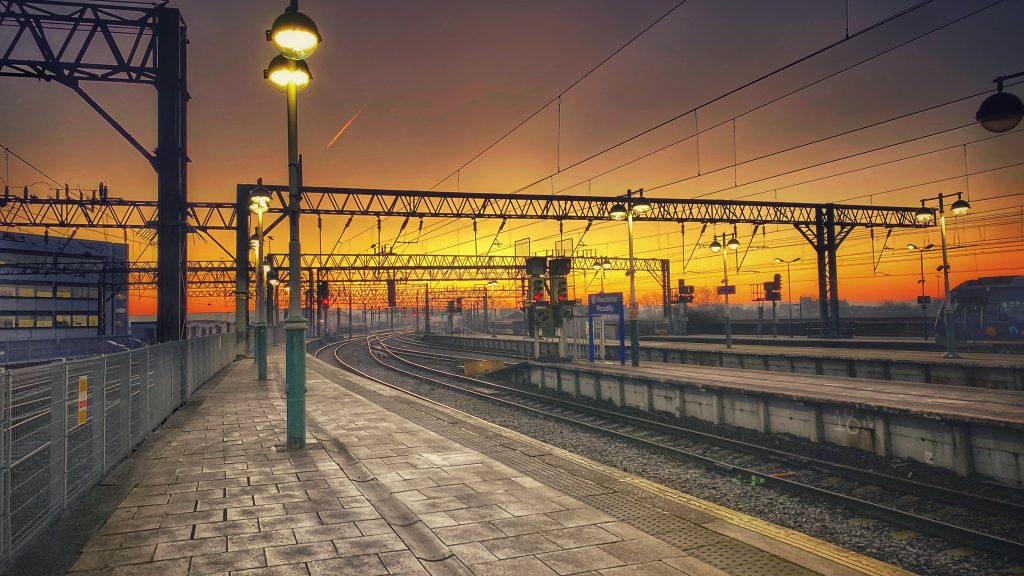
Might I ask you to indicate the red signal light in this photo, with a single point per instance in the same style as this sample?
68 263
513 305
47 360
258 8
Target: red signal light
538 296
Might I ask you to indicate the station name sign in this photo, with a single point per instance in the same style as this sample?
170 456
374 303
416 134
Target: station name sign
605 304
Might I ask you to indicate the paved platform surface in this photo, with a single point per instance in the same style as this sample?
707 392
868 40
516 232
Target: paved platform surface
999 407
394 485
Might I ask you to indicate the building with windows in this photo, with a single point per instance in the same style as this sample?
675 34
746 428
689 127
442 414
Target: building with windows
61 288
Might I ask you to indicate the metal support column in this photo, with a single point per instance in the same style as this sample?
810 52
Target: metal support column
171 166
242 272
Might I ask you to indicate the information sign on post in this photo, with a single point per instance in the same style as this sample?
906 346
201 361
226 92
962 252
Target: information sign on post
83 399
723 290
602 305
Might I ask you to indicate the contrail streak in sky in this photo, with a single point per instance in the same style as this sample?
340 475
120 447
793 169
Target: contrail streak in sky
345 127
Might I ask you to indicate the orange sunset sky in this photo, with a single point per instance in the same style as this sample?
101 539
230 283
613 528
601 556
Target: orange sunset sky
437 81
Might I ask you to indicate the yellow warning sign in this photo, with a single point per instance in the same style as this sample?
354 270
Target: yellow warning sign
83 399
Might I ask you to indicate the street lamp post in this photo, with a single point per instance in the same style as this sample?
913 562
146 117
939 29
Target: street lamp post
272 282
489 320
296 37
618 212
923 302
259 202
925 215
716 246
789 288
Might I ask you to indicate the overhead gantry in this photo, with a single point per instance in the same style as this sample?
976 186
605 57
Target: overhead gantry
824 226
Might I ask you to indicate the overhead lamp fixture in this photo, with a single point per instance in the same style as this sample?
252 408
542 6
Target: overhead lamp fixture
733 243
924 214
641 205
961 207
283 72
606 264
294 34
1002 111
716 246
259 198
597 265
617 212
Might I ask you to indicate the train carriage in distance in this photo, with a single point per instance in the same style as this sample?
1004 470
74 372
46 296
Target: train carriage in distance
986 309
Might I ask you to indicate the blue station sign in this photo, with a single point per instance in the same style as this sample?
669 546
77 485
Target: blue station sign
605 304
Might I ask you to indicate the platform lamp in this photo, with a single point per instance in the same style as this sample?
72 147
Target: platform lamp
272 281
716 247
259 203
489 319
924 305
1002 111
789 288
925 215
296 37
633 207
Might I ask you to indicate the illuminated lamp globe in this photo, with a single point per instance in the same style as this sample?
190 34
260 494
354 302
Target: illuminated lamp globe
294 34
961 207
716 246
1000 112
597 265
283 72
606 264
641 206
618 212
259 198
923 215
779 260
733 244
492 284
911 246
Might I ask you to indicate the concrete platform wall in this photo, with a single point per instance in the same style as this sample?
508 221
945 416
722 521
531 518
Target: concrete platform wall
965 448
934 372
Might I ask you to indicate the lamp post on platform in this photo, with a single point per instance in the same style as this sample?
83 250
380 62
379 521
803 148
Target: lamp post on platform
259 203
296 37
716 246
789 288
959 207
923 301
619 212
488 319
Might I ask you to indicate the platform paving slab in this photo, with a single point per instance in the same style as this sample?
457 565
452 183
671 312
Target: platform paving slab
390 485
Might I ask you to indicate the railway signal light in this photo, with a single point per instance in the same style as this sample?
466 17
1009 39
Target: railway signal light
773 289
559 289
323 294
685 293
392 300
536 288
458 304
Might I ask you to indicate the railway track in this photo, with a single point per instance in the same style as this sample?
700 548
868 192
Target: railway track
865 492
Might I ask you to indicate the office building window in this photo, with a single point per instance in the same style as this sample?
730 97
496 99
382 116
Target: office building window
6 321
44 321
26 291
63 320
7 291
44 291
64 292
94 320
26 322
79 321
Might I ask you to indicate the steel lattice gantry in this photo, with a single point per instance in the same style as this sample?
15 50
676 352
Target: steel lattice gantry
823 225
72 43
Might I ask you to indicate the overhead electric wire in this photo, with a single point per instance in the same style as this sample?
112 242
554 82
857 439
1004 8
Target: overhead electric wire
769 74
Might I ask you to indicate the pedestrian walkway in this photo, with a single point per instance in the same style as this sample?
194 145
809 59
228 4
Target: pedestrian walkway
393 485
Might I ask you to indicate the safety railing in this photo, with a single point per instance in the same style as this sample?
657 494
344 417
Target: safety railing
68 424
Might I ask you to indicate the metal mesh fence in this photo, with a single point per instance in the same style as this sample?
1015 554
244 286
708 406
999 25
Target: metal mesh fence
67 424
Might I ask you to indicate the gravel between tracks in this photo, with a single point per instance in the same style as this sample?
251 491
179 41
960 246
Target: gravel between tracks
911 551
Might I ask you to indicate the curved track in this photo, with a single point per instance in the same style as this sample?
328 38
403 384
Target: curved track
786 471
